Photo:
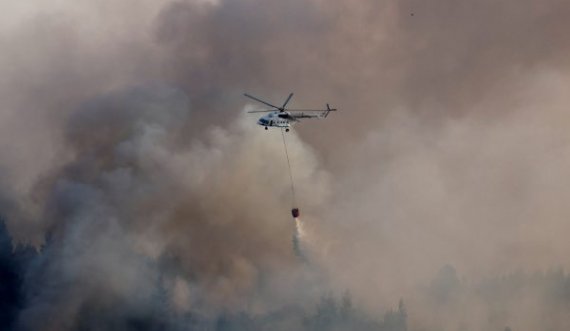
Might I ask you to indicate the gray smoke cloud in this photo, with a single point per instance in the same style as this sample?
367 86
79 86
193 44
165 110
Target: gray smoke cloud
131 193
126 153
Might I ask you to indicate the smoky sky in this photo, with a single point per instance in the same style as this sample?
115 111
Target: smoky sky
125 150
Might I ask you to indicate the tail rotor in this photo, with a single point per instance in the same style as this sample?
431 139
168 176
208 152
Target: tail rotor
329 109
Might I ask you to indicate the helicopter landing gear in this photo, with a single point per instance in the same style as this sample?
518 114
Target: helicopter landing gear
265 128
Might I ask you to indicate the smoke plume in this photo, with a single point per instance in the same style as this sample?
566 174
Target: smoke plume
128 162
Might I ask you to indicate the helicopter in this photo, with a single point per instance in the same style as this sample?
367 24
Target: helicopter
282 117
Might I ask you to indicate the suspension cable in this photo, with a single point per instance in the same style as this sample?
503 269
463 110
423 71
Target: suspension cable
290 171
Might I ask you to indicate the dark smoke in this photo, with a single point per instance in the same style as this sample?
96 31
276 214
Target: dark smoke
153 202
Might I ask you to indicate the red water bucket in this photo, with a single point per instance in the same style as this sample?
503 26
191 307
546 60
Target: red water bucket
295 212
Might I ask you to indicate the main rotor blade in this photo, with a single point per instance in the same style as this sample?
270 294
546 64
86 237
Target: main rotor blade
286 101
261 111
321 110
259 100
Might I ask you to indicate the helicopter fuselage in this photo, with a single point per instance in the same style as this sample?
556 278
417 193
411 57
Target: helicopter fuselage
275 119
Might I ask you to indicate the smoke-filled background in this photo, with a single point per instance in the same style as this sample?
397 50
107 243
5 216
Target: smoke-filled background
137 194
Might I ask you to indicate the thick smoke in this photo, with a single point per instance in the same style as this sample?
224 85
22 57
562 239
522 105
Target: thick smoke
126 159
133 191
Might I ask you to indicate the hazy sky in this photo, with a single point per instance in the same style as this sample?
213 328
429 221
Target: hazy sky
123 138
